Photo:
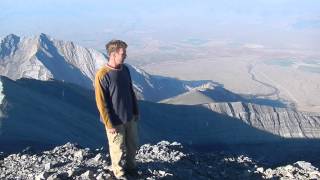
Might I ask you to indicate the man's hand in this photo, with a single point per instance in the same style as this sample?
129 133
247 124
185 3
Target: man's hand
112 130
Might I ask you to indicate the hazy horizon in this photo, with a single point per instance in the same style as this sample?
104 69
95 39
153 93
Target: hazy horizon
259 24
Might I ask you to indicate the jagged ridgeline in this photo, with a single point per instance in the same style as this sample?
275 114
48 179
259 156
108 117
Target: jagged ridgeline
54 104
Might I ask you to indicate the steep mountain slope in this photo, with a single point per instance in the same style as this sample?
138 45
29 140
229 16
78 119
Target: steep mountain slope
44 58
42 114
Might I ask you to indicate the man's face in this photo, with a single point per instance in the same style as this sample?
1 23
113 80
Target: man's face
120 56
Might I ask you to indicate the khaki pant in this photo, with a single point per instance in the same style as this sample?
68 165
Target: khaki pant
122 144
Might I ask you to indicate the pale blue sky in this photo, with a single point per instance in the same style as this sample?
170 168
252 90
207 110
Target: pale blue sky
92 22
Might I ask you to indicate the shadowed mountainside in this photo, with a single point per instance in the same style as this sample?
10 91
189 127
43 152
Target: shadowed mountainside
52 113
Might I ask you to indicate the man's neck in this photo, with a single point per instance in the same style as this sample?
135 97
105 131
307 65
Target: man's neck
113 65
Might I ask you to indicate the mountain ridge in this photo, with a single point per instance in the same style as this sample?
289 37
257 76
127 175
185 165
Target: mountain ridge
44 58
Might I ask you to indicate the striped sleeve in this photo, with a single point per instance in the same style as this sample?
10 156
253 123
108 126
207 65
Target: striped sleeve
100 93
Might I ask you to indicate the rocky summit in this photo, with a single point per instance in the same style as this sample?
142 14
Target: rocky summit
163 160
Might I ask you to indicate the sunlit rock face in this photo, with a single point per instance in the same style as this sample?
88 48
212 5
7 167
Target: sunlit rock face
42 57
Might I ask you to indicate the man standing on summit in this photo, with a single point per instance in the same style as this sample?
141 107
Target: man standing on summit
118 109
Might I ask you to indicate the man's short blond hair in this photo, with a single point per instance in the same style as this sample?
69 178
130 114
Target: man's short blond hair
115 45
